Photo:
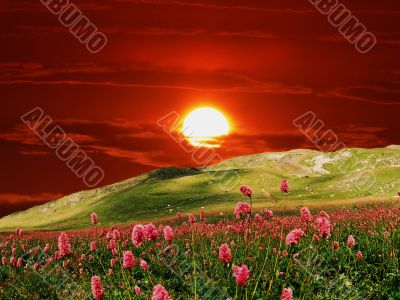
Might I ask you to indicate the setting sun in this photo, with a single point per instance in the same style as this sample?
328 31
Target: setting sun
204 126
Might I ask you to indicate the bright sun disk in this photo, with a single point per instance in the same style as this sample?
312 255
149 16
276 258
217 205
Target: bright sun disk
203 126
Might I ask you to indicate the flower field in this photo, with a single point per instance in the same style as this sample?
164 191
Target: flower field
343 254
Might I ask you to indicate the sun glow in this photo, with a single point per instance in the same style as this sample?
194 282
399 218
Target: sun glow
204 127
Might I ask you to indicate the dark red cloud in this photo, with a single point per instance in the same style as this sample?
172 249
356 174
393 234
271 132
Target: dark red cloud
263 63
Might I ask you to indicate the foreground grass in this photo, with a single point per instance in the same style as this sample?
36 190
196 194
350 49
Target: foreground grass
189 266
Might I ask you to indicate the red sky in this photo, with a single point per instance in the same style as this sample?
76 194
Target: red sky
263 63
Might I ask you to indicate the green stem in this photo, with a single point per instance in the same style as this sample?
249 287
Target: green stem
262 270
194 266
276 261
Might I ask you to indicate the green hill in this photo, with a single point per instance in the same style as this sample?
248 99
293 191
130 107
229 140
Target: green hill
316 179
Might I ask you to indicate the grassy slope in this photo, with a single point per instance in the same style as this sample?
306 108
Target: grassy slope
316 179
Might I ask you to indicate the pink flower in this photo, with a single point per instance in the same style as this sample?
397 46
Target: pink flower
335 245
225 253
192 219
143 265
324 227
168 234
324 214
138 291
112 244
284 186
287 294
137 235
202 215
242 208
113 262
64 246
246 190
4 260
179 216
305 214
97 288
128 260
19 262
359 255
268 213
93 246
93 218
18 231
294 236
160 293
315 238
151 232
13 261
241 274
116 235
109 233
351 241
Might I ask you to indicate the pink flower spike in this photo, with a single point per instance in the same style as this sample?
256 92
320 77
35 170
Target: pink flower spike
137 235
160 293
225 253
294 236
287 294
143 265
128 260
93 246
241 274
335 245
305 214
168 234
93 218
192 218
351 242
284 186
242 208
138 291
246 191
324 227
64 246
97 288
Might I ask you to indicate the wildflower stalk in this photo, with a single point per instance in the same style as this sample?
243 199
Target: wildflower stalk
127 283
276 261
262 270
194 265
